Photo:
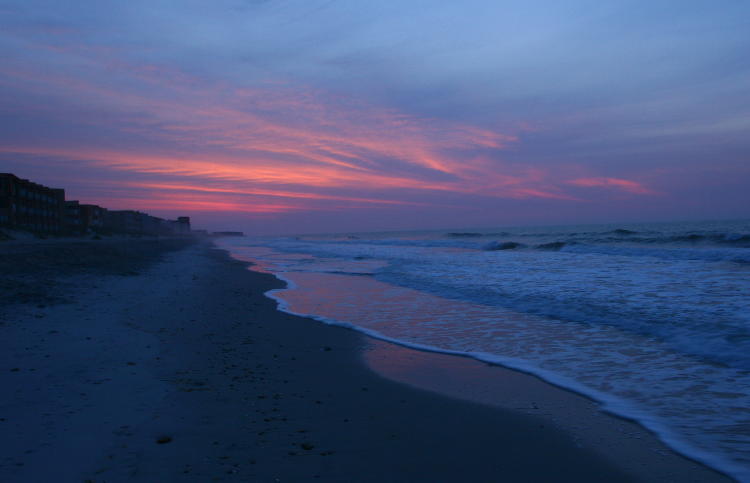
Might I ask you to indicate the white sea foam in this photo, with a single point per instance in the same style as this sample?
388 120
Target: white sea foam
659 339
612 404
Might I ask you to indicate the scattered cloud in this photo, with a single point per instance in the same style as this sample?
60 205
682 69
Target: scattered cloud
617 183
287 108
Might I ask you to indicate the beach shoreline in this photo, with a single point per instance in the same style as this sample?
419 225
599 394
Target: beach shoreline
183 370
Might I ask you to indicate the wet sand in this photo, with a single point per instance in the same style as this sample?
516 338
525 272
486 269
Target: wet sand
160 362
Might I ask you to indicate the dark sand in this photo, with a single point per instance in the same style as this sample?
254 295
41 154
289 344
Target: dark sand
183 371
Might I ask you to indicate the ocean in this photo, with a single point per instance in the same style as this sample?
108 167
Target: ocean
651 320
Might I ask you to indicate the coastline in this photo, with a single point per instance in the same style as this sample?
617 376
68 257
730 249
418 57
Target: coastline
590 417
648 451
237 390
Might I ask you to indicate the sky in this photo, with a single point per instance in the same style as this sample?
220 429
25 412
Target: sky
287 116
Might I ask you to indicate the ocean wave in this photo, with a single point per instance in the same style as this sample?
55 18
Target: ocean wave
611 403
694 245
608 302
492 246
464 235
623 231
708 254
721 239
614 300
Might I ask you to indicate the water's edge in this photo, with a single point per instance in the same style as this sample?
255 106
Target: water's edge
614 407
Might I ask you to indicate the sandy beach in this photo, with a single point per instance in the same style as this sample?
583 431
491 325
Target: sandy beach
162 360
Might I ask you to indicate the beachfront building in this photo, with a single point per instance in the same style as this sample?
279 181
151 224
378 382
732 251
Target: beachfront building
138 223
81 219
129 222
25 205
93 217
183 225
29 206
180 226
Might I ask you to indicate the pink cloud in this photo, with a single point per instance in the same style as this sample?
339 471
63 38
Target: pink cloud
618 183
277 142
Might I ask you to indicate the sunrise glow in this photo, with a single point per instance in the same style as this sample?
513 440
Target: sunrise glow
130 128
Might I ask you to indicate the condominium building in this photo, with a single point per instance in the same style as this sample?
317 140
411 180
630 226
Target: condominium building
29 206
26 205
81 218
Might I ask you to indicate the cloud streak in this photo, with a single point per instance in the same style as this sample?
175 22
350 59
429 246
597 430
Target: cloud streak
350 112
272 138
622 184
